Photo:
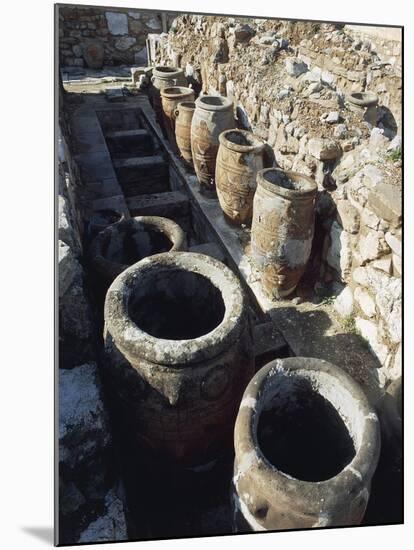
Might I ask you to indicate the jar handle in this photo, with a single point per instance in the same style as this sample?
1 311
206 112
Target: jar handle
176 113
152 79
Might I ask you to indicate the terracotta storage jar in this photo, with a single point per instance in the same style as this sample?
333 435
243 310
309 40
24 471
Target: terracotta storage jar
178 355
128 241
239 158
164 77
364 104
170 98
183 117
213 115
307 444
101 219
282 228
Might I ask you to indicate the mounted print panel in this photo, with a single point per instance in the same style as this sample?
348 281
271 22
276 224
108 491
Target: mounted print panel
229 255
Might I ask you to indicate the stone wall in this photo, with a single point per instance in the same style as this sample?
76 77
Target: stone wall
121 32
91 497
289 82
386 41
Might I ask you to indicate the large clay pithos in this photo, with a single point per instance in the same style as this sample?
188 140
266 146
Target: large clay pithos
183 117
178 354
170 98
213 115
282 228
164 77
364 104
239 158
122 244
307 444
103 218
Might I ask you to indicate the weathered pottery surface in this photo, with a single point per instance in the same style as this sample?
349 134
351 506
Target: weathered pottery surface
307 444
170 98
128 241
179 354
239 159
212 116
183 117
282 228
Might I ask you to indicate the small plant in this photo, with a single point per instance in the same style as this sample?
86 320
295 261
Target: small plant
348 324
329 300
395 154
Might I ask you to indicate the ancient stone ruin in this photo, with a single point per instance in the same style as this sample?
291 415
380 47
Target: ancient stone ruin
229 248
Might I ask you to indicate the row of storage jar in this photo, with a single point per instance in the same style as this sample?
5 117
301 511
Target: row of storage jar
179 366
233 165
178 355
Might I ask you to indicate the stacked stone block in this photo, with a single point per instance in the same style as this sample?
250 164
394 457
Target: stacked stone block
121 32
289 82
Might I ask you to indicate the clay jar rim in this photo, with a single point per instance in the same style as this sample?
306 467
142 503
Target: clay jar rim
136 344
308 190
367 99
116 213
346 482
165 71
175 92
171 229
214 103
186 106
257 145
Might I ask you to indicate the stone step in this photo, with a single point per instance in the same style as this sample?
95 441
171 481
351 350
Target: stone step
139 163
159 204
119 119
171 204
116 202
126 143
120 134
142 175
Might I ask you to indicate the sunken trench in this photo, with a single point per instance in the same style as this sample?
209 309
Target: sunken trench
136 201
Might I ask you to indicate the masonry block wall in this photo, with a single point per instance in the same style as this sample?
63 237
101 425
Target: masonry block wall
121 32
91 497
289 82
